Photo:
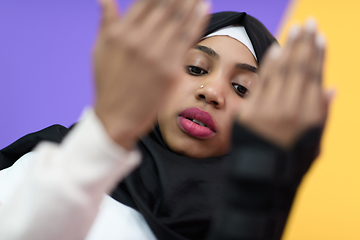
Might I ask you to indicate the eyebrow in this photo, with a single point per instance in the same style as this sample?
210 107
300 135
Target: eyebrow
247 67
211 52
208 51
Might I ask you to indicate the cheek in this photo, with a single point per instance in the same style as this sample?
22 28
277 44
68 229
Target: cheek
184 89
178 95
233 109
236 104
179 98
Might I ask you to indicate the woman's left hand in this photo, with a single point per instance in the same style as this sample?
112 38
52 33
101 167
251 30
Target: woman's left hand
290 98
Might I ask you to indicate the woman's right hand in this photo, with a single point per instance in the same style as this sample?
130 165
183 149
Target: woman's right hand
138 59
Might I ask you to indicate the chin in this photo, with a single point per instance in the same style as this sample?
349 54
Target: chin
195 148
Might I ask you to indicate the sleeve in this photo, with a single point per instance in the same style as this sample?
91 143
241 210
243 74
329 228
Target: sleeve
261 185
60 196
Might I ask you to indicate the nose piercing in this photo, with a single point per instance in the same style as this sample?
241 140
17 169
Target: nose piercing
202 86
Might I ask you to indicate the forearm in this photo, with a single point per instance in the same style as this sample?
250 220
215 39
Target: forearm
261 186
60 196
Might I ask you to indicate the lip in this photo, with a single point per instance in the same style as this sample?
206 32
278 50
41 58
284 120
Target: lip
195 129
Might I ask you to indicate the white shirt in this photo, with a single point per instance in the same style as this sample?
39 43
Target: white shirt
58 191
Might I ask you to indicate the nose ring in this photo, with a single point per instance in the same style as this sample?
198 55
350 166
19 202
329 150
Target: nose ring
202 86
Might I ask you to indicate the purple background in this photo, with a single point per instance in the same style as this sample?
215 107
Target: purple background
45 58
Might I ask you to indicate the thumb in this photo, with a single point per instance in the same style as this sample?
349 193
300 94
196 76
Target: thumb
109 12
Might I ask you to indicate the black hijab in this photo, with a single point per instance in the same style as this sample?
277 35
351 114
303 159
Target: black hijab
177 195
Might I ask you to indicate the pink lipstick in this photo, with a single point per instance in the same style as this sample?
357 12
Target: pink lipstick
197 123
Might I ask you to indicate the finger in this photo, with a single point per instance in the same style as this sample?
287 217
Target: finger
301 59
109 12
314 102
269 66
139 13
189 34
269 62
186 15
162 16
286 59
193 24
150 26
328 97
276 79
304 54
312 108
318 65
175 11
259 96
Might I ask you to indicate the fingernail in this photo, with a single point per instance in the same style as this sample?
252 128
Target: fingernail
320 41
310 25
294 32
275 51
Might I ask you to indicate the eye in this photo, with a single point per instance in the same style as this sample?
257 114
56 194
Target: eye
196 71
241 90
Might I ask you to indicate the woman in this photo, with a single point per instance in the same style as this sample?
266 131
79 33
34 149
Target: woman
187 179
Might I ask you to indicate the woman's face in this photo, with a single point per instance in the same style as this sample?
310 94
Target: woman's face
197 120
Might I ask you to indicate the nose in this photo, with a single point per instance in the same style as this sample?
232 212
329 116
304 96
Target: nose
212 92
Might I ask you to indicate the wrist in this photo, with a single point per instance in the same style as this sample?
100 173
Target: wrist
119 130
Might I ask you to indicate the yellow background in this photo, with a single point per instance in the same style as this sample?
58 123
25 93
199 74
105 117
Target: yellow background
328 203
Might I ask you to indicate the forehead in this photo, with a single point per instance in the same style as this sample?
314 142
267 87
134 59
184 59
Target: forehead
230 49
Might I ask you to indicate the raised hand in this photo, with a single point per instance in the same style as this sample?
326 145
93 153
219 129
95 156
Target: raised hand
138 59
290 98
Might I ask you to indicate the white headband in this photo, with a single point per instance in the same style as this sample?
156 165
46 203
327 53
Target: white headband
236 32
